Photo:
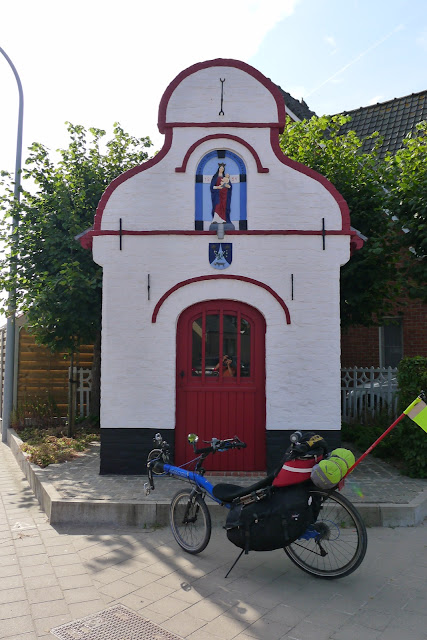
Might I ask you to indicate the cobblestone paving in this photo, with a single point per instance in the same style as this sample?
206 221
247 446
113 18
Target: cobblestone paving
51 576
373 481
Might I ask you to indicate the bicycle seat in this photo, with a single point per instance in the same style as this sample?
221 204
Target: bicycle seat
229 492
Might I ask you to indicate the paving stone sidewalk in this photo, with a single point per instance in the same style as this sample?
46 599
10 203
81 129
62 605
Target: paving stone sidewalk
54 575
75 492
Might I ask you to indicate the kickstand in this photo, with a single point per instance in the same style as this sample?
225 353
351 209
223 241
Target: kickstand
235 562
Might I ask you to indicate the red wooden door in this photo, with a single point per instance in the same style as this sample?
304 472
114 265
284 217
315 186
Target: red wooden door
221 401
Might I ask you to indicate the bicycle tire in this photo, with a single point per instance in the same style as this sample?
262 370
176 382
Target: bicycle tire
190 521
155 453
341 534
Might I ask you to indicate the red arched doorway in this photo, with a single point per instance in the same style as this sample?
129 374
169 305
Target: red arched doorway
215 401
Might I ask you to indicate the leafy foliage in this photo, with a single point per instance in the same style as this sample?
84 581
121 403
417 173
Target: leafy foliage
406 444
412 378
57 284
37 412
45 447
408 201
369 283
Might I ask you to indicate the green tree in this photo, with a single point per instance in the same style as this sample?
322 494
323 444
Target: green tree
58 285
407 179
369 282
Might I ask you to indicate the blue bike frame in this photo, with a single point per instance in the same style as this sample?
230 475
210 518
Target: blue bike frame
200 481
193 476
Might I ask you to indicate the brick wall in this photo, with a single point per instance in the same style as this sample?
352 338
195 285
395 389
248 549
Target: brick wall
415 329
360 345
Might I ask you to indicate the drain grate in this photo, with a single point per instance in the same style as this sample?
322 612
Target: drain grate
116 623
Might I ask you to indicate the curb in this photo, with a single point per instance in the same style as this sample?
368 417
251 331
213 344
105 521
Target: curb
149 514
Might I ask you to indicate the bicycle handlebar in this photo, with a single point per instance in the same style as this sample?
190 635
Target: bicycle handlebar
221 445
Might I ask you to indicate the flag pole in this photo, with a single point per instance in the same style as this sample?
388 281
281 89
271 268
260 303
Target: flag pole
368 451
409 411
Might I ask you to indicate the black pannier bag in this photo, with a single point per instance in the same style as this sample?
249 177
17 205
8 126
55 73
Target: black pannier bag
275 521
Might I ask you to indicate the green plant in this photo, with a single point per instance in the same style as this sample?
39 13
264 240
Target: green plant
363 435
412 378
406 445
58 285
51 446
39 411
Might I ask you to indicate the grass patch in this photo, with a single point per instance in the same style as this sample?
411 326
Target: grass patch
52 446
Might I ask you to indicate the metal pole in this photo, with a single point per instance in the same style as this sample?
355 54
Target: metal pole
377 441
10 326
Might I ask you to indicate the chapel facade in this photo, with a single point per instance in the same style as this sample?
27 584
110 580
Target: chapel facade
221 266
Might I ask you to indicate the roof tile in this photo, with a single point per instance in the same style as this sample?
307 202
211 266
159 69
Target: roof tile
393 119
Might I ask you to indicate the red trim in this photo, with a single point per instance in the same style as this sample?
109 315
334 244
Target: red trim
221 62
129 174
221 125
86 239
345 213
184 283
215 136
356 243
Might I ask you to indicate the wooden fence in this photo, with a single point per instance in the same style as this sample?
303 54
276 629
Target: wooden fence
41 374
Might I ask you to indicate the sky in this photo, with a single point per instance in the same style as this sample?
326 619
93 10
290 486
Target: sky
98 62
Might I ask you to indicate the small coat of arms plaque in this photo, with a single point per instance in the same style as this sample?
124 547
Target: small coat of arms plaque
220 254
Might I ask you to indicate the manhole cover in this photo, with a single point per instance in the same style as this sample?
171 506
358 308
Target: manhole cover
116 623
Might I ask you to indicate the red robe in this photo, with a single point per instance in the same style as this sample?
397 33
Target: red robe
221 207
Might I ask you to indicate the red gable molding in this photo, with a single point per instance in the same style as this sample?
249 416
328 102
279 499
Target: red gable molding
128 174
257 283
215 136
86 237
222 62
356 243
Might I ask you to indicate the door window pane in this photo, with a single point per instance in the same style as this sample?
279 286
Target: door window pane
234 352
212 344
229 346
196 355
245 348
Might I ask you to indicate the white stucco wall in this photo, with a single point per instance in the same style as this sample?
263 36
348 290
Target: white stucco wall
198 98
302 359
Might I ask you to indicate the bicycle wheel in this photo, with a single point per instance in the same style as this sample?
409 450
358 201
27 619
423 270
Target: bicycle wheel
155 453
335 545
190 521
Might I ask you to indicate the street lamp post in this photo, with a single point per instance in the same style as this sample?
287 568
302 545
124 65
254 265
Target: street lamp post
10 326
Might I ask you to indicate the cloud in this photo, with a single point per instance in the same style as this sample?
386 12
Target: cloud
375 100
331 42
236 30
361 55
297 91
421 39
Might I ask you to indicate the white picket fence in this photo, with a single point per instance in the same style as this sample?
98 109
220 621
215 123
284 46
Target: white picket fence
366 391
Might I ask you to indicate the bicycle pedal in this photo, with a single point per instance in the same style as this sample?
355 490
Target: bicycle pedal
147 489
